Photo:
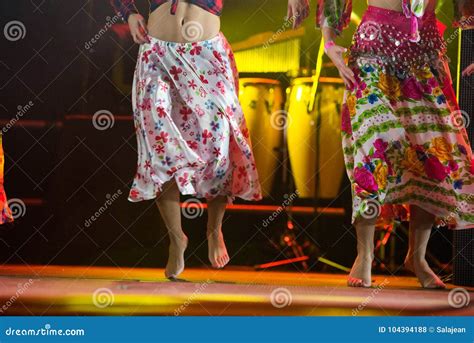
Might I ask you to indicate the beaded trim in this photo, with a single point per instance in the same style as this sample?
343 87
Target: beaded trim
390 46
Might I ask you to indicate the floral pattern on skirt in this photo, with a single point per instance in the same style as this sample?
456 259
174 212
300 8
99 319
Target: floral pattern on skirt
5 212
189 123
405 143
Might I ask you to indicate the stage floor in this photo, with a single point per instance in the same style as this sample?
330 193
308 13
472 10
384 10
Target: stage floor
81 290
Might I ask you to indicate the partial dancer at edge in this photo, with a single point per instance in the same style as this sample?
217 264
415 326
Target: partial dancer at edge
403 135
5 212
191 132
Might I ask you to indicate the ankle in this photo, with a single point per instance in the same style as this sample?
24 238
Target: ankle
365 255
213 232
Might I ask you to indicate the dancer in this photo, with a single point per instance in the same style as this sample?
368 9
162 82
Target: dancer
191 132
403 142
5 212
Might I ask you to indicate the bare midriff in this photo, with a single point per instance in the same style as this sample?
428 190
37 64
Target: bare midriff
191 23
396 5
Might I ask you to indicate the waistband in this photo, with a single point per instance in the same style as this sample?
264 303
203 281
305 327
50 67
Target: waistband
397 18
213 40
386 34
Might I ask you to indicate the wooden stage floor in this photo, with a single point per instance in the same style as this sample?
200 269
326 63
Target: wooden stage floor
81 290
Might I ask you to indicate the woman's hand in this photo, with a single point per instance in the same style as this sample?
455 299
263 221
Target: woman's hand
298 10
469 70
138 29
335 53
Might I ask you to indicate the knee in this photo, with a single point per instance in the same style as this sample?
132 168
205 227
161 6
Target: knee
361 221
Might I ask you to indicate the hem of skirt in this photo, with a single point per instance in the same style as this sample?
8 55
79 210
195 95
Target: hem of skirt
188 190
463 226
230 198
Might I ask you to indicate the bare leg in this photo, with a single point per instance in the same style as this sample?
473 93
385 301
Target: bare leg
361 272
168 205
217 251
421 223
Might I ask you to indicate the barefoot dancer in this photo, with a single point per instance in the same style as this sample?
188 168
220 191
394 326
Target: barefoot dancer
5 212
403 143
191 133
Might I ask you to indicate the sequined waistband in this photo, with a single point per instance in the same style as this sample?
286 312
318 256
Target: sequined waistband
384 35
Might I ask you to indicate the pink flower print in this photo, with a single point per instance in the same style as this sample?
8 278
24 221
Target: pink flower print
141 85
192 144
217 55
203 79
160 149
229 111
411 89
175 72
221 87
161 112
432 82
185 112
434 169
147 164
205 136
163 136
453 165
379 144
134 194
199 111
365 179
163 86
346 120
192 84
242 172
145 105
171 171
146 55
196 50
217 152
202 92
181 50
183 180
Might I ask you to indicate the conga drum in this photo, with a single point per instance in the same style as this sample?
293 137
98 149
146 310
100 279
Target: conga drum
302 136
262 102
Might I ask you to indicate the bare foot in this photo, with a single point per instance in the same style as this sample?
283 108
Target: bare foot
175 265
361 272
217 251
426 276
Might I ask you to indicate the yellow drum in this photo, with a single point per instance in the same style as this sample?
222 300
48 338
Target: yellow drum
302 135
262 101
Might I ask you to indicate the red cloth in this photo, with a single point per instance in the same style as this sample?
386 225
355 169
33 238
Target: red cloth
5 212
